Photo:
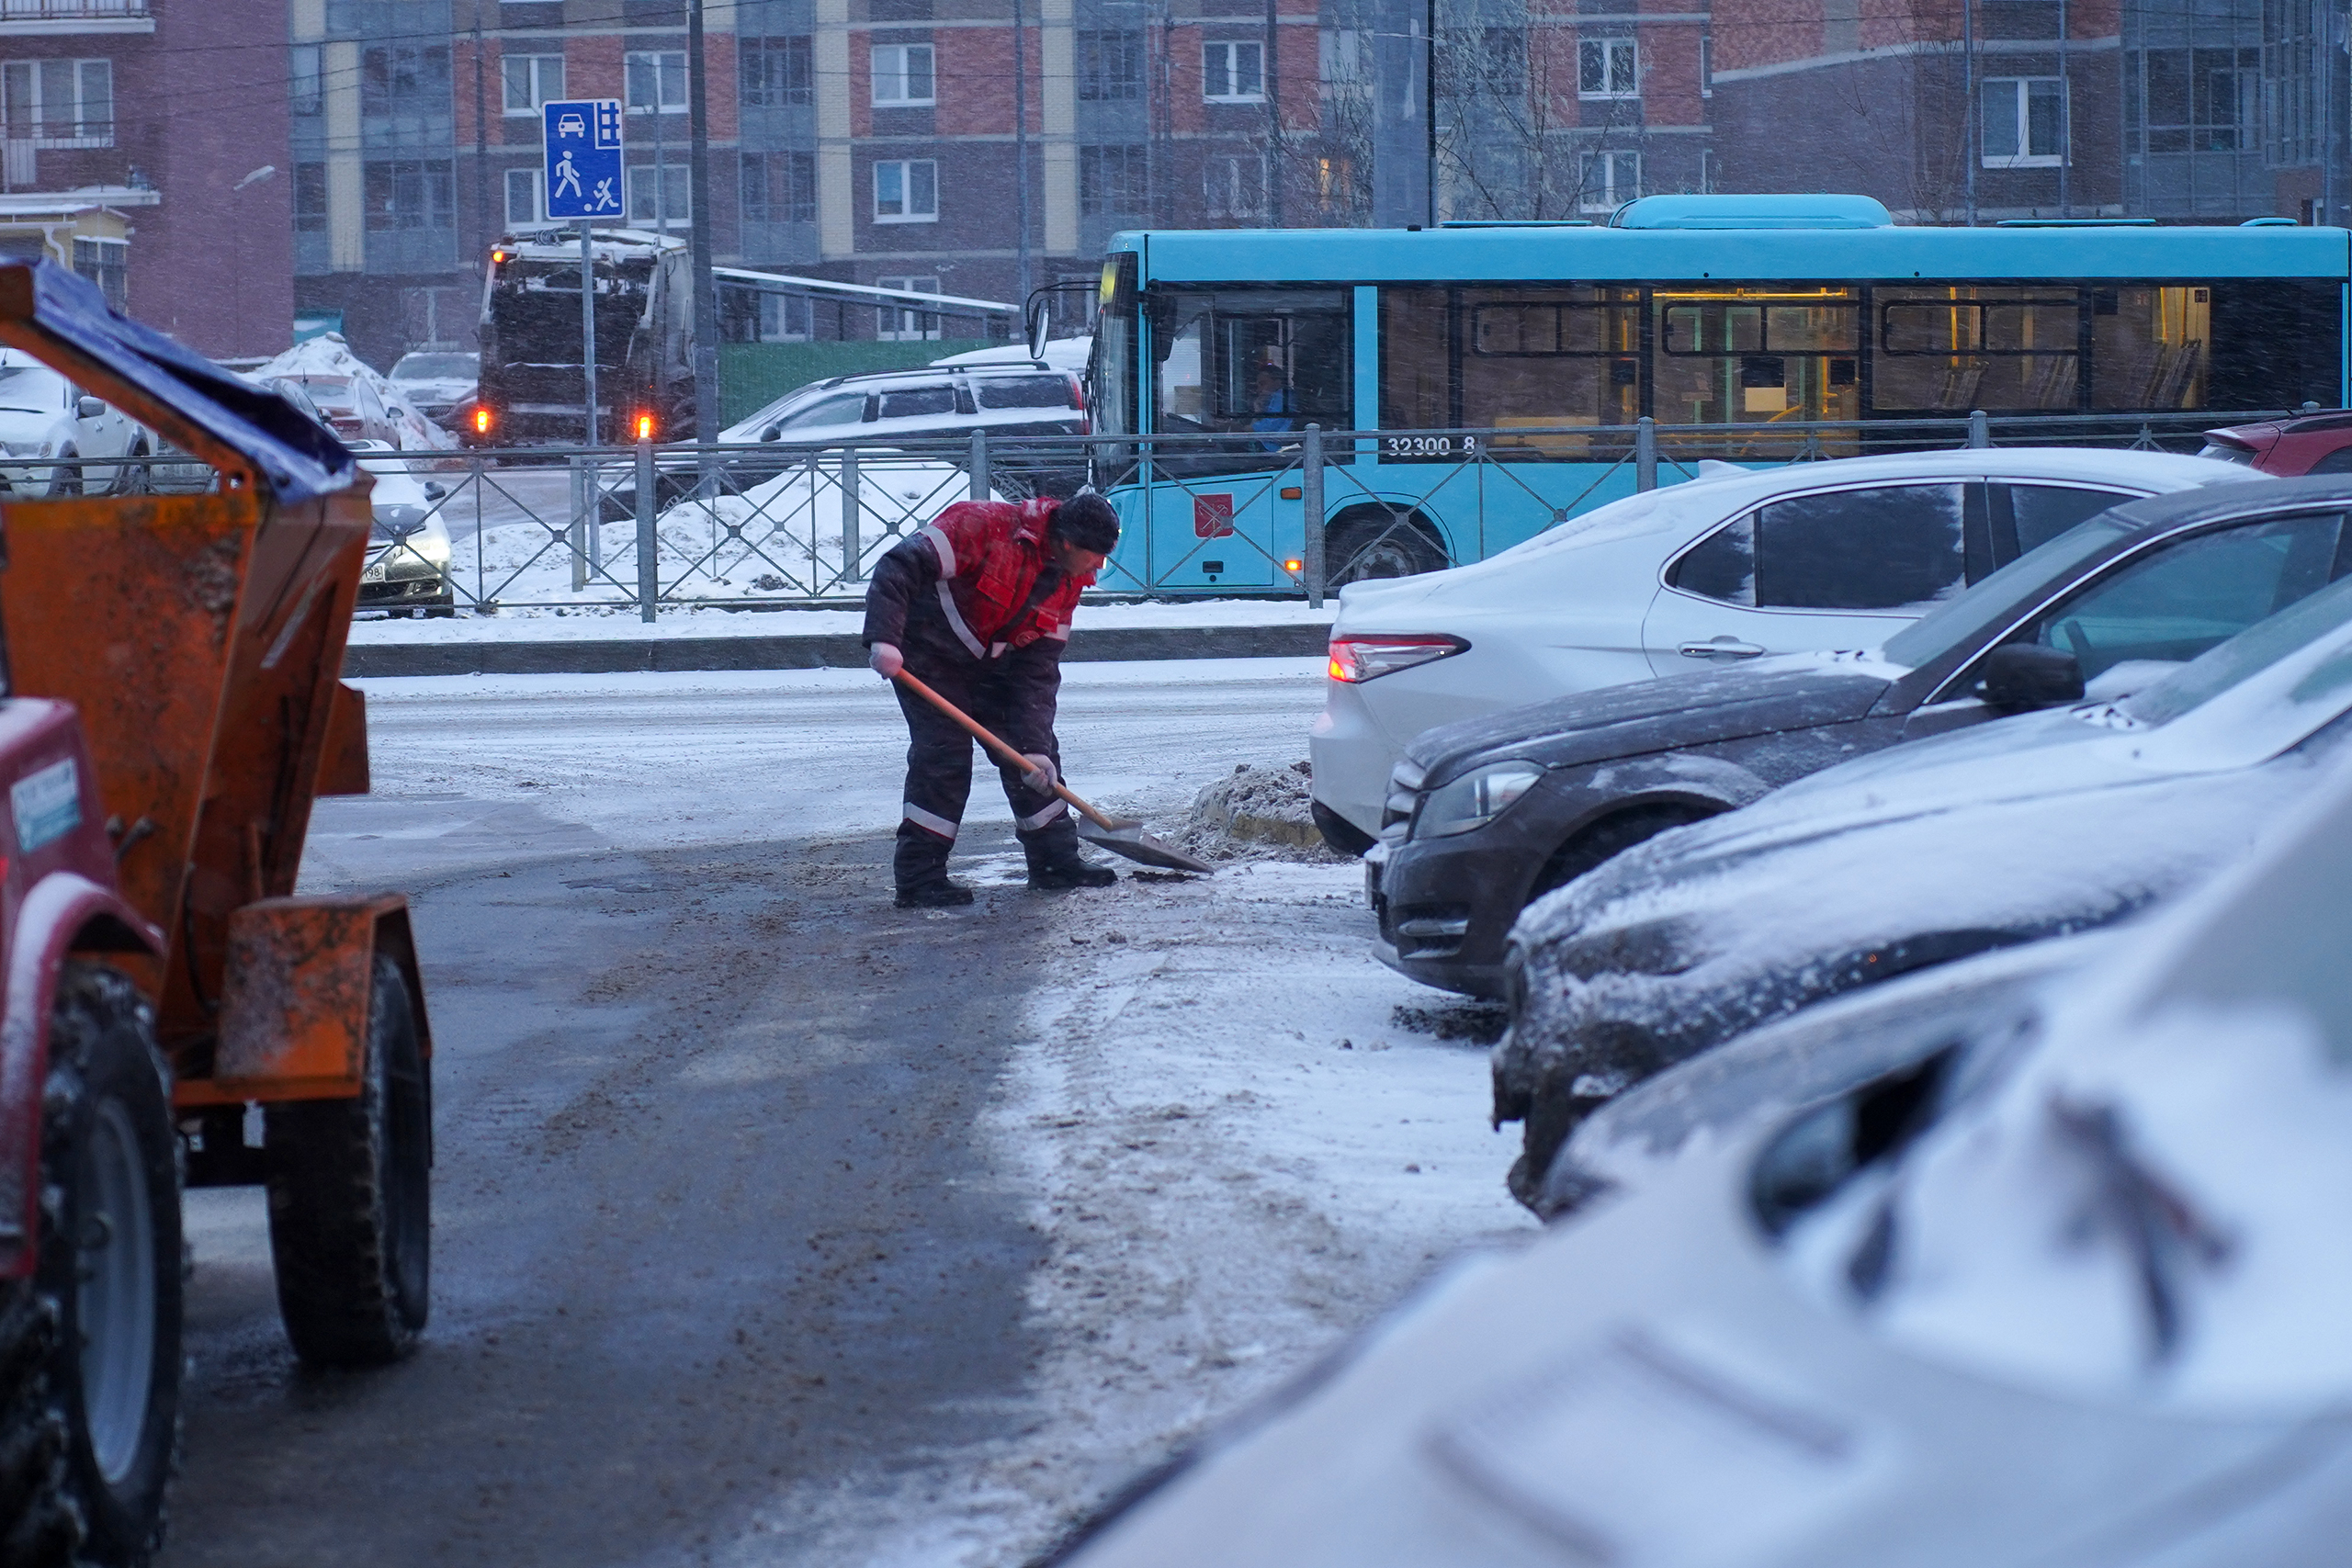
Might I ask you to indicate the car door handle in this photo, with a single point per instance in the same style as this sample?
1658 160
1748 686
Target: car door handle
1721 647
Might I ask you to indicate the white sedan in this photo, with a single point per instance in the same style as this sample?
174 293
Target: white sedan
1733 565
42 414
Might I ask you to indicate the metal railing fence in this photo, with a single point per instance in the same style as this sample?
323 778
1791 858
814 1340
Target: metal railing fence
615 529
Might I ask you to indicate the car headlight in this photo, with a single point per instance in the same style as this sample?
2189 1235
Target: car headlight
433 545
1474 799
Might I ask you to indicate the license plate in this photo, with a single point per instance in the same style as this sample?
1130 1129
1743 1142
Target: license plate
373 574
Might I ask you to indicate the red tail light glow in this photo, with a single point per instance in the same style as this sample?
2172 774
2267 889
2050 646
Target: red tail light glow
1356 658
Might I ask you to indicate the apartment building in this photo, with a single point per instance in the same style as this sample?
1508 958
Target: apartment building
143 142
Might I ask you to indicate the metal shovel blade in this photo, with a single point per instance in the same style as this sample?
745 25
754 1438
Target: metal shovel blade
1128 838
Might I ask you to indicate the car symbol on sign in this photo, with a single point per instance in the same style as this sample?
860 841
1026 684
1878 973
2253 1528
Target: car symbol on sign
570 125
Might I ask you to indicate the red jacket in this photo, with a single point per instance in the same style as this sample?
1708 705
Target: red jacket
969 579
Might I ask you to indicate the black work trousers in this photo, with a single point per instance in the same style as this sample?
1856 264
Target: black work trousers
1003 694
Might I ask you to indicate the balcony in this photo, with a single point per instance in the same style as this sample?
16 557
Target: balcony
22 16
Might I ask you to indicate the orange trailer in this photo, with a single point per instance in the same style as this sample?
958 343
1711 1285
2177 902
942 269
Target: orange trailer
197 640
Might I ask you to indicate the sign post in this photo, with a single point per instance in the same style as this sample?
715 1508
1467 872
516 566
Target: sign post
581 141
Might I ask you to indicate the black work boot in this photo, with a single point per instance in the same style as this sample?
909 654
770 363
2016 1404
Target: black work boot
1055 863
919 866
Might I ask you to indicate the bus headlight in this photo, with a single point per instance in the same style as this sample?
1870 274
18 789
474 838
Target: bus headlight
1474 799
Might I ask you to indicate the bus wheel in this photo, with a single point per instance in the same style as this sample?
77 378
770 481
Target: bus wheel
1366 543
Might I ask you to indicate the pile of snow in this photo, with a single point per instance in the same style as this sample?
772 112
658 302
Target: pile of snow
1254 813
328 355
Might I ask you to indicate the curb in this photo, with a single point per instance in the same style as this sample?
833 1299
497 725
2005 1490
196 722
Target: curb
664 655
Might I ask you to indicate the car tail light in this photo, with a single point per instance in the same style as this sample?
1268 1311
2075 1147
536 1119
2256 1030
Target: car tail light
1078 393
1355 659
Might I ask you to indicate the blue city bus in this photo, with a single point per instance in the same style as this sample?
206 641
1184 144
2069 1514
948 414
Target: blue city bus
1768 316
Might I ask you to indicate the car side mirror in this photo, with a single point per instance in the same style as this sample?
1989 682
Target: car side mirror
2022 676
90 406
773 432
435 489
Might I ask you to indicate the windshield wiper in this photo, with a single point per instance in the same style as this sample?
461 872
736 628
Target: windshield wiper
2157 1225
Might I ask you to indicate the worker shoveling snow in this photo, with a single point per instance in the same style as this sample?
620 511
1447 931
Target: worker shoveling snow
328 355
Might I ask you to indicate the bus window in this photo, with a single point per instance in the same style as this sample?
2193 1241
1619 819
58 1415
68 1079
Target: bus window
2148 346
1958 348
1749 354
1540 359
1259 363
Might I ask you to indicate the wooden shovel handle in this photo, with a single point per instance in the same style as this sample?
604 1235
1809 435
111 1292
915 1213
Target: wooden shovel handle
1006 754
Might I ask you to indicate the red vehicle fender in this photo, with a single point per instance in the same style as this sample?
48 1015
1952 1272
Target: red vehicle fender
57 913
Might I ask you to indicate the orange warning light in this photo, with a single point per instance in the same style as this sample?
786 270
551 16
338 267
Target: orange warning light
1294 565
645 427
482 421
497 257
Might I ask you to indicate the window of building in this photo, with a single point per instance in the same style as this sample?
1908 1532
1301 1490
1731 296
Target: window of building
777 72
531 80
1234 184
524 203
786 318
1110 65
59 103
303 88
906 190
2025 122
1607 68
2194 100
1343 56
898 324
309 198
1607 180
1110 180
415 193
1233 73
656 81
658 195
105 263
779 187
404 79
1706 65
902 75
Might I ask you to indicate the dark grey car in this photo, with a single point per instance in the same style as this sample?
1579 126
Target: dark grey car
1485 816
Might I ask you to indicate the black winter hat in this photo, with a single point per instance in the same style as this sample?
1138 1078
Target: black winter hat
1087 521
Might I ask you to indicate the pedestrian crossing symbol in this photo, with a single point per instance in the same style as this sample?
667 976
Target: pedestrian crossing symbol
583 142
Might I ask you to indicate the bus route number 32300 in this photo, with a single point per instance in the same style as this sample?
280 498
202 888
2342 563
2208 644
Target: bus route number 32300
1429 445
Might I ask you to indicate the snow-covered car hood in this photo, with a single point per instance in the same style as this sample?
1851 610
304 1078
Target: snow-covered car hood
1795 691
1646 1386
1857 1335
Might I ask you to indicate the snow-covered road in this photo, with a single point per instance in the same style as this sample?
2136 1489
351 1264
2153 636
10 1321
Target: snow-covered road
1217 1143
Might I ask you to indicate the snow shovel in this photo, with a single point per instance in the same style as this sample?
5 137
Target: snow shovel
1126 838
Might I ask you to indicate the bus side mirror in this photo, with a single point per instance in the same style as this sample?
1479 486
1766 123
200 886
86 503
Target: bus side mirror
1041 325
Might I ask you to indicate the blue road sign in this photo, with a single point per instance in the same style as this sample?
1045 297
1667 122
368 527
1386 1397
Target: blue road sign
583 144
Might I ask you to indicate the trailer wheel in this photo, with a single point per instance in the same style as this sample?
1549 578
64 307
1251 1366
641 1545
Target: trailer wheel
90 1347
350 1198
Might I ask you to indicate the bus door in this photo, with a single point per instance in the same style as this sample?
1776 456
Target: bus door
1252 367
